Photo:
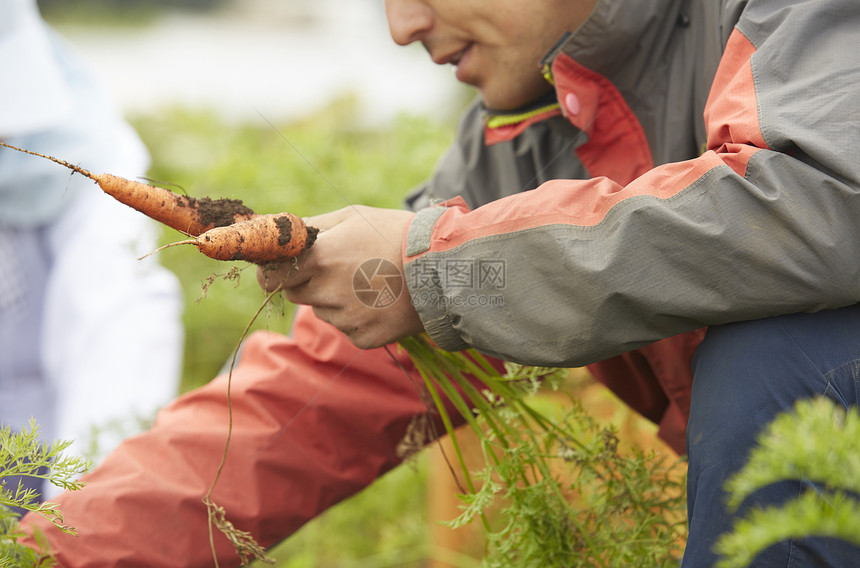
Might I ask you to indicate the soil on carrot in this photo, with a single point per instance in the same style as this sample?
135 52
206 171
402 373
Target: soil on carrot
218 212
285 232
312 236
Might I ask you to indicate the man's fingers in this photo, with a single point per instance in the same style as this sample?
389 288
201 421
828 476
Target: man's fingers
329 220
277 275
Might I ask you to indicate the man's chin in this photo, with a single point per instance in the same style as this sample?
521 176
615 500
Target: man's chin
513 103
503 107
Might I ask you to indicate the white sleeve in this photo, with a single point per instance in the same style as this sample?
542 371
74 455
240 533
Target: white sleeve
109 339
113 336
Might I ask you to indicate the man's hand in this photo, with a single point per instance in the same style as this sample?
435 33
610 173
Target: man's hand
353 275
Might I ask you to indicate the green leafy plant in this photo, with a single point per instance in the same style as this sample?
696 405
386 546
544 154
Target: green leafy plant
816 442
23 454
554 489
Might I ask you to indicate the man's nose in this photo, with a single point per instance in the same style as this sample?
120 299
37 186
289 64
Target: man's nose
408 20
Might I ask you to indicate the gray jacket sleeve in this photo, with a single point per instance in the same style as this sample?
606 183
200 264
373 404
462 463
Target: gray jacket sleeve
763 223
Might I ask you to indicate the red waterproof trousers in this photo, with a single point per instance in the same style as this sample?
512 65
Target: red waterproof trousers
315 420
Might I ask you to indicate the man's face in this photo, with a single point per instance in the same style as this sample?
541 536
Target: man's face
495 45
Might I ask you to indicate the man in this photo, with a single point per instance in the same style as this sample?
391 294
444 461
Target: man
690 171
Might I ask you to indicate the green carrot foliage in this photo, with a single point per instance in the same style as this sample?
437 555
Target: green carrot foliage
816 442
23 454
565 494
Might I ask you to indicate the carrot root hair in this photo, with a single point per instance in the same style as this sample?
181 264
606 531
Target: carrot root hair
69 165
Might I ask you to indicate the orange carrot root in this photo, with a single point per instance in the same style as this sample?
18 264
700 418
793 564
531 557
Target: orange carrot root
224 229
186 214
261 240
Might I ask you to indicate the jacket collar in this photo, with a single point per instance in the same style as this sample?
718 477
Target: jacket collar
616 38
501 126
615 41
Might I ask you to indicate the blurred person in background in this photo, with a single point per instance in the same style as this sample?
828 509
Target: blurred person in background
90 337
673 188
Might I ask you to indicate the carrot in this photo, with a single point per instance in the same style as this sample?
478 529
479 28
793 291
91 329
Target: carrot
223 229
261 240
186 214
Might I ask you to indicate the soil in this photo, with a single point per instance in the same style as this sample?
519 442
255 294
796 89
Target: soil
312 236
285 232
220 212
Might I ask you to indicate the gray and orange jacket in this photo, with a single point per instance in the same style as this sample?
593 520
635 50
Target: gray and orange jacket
699 172
699 169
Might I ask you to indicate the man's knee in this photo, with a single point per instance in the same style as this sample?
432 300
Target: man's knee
745 374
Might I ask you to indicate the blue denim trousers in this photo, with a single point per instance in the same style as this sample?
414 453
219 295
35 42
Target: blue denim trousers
744 375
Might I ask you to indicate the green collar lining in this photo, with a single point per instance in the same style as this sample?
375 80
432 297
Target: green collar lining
500 120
